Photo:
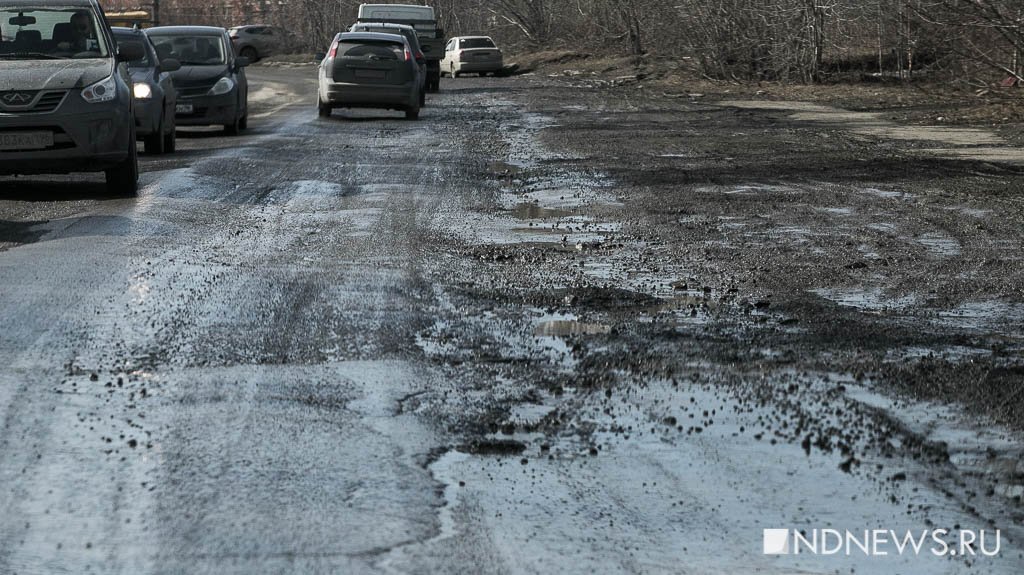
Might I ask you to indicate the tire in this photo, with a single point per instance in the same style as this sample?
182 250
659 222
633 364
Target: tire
323 110
250 53
243 124
154 143
123 179
171 140
412 113
423 97
233 129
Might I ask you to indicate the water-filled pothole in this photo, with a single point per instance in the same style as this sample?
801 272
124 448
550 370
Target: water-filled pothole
567 327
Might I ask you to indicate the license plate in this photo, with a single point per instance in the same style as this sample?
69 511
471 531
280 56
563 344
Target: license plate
25 140
183 109
370 74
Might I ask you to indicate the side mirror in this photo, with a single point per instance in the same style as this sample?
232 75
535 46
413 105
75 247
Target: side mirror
241 62
130 51
169 65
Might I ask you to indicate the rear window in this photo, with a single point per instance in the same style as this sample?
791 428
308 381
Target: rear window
477 43
381 49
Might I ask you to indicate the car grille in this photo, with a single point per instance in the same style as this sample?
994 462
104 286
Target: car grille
193 91
48 101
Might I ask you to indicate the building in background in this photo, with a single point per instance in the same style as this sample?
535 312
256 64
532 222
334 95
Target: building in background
224 13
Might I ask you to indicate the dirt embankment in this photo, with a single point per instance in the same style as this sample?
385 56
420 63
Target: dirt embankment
920 102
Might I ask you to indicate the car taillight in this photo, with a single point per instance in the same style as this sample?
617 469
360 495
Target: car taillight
334 49
408 54
419 56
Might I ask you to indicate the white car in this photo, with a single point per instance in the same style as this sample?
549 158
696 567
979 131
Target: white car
474 54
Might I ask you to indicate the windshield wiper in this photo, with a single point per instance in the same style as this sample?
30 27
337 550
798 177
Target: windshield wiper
32 55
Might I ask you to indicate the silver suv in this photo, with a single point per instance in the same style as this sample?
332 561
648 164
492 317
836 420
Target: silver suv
65 93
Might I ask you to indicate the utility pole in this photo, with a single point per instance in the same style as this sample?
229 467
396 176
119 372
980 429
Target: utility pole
156 13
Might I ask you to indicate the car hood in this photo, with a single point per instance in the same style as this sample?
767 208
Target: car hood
198 75
53 74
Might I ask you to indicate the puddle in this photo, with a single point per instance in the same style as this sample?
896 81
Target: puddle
500 168
534 211
748 189
838 211
875 124
529 413
940 246
570 327
984 316
872 299
887 194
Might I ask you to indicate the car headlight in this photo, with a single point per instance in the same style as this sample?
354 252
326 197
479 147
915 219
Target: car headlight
102 91
223 86
142 91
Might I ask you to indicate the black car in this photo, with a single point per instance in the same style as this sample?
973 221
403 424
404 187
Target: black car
370 70
153 88
65 94
211 83
414 42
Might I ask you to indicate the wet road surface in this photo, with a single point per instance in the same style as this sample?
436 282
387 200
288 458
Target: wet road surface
536 331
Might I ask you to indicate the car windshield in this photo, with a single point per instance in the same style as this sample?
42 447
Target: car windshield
477 43
191 50
143 62
30 32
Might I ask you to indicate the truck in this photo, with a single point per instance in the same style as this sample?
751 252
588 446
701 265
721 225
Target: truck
424 20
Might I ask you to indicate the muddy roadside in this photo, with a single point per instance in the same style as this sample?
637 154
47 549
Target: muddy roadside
926 100
691 271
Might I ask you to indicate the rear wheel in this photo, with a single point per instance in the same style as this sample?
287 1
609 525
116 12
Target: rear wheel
423 97
123 179
243 124
154 143
323 110
250 53
412 113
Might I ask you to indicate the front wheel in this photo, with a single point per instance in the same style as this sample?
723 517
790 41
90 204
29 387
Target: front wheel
123 179
171 139
412 113
154 143
233 128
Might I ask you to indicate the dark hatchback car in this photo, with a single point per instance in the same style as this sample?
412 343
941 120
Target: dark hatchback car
414 42
153 88
65 94
211 83
370 70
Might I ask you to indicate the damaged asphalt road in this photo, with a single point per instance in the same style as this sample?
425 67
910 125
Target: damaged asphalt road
551 327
